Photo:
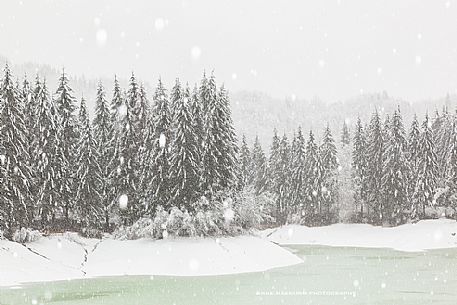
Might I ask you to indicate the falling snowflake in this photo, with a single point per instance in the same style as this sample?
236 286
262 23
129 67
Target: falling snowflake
195 52
123 201
102 37
122 111
162 140
160 24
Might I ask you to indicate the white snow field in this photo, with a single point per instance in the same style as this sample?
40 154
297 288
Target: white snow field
68 256
423 235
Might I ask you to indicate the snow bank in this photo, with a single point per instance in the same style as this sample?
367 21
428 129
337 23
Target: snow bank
68 256
426 234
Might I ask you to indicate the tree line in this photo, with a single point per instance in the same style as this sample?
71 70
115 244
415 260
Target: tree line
399 175
179 152
302 175
61 171
396 176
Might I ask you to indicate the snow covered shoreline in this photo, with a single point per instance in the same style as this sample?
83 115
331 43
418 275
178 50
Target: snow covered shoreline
424 235
68 256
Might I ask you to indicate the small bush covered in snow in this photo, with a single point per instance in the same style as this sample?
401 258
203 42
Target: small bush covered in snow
25 235
227 216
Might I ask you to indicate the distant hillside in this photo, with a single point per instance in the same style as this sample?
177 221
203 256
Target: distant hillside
257 113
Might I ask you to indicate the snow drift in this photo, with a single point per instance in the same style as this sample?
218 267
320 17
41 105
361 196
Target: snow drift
426 234
68 256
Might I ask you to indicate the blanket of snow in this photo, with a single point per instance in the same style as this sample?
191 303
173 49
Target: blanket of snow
423 235
68 256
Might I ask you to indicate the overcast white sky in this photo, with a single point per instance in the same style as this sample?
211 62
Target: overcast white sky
332 49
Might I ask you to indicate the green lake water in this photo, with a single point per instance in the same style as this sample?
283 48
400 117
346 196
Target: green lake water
328 275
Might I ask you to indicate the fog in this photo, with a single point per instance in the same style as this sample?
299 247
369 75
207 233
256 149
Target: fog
331 49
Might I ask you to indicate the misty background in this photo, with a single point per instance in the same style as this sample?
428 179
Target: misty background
285 63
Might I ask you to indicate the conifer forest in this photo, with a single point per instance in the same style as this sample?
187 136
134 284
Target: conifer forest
173 156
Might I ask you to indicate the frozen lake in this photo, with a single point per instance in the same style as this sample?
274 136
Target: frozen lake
328 275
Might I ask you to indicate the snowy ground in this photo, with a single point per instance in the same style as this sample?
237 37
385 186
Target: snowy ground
68 256
426 234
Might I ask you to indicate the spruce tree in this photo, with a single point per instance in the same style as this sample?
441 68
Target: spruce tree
160 186
118 110
88 205
219 157
315 181
375 158
396 172
103 137
299 174
328 151
360 166
246 168
145 140
345 136
208 97
283 181
274 164
427 173
199 119
125 163
451 178
259 168
15 170
67 140
185 161
413 156
328 155
29 108
47 160
442 140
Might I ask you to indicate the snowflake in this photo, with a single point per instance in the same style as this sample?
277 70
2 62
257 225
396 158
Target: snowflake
122 111
123 201
102 37
162 140
160 24
195 52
